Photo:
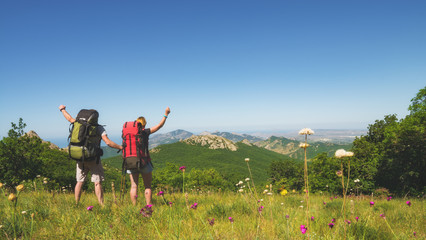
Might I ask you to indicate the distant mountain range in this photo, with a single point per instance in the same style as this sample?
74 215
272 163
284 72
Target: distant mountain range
326 141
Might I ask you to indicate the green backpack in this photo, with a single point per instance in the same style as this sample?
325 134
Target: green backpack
84 139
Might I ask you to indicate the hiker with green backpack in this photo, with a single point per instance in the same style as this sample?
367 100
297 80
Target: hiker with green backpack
84 147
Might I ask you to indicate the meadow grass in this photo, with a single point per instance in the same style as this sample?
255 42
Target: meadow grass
43 215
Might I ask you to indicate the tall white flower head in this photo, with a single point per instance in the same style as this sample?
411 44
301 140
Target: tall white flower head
303 145
247 179
247 159
342 153
306 131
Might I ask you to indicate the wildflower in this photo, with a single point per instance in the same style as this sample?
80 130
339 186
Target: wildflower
342 153
287 216
294 190
389 198
331 225
89 208
240 182
1 185
408 203
371 203
19 188
211 222
339 173
260 209
333 220
182 168
241 190
283 192
357 218
356 180
265 191
247 159
194 206
306 131
303 145
38 176
414 234
269 194
312 218
348 222
24 212
12 197
170 204
231 219
383 215
247 179
160 193
324 203
146 211
44 182
303 229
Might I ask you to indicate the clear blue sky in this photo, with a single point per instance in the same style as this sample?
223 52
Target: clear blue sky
227 65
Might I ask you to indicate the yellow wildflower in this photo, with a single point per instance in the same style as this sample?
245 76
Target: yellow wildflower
20 188
1 185
283 192
12 197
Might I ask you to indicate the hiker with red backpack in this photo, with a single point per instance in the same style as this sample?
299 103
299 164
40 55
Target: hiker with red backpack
84 147
136 157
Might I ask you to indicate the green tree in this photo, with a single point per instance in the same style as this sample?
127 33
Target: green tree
20 156
287 174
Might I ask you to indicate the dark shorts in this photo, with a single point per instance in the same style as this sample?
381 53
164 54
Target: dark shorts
146 169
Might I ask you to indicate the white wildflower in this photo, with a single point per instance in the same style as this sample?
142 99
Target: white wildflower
303 145
247 159
24 212
240 182
306 131
241 190
269 194
265 191
247 179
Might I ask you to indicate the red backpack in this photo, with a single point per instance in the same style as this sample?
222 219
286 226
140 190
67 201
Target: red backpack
135 146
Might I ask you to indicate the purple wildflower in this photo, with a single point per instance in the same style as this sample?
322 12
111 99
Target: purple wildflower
333 220
89 208
260 209
389 198
160 193
414 233
357 218
182 168
231 219
348 222
287 216
194 206
303 229
211 222
146 211
331 225
383 215
170 204
408 203
324 203
371 203
312 218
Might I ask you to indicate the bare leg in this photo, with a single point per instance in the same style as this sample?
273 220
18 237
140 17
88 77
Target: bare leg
134 180
77 191
99 193
147 180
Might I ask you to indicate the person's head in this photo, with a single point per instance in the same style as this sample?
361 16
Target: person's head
142 121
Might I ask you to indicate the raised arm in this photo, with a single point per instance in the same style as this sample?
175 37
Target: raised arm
163 120
66 114
110 143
